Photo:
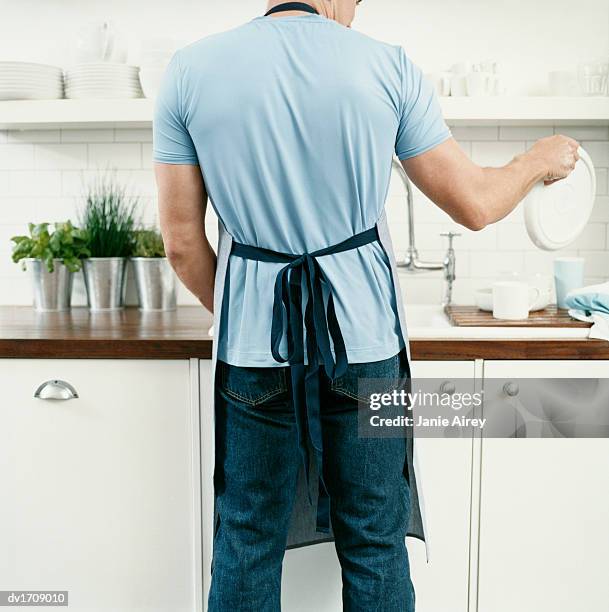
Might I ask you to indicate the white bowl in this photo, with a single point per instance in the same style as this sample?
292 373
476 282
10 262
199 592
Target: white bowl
484 299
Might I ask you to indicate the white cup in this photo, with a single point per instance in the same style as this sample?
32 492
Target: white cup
512 300
461 68
544 283
441 81
458 85
479 83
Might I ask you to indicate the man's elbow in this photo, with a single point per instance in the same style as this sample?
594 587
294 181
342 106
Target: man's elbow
474 217
176 252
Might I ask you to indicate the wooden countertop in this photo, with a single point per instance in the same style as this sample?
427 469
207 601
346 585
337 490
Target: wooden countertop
124 334
182 334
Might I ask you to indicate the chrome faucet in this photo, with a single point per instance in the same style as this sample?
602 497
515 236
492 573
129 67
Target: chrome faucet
411 262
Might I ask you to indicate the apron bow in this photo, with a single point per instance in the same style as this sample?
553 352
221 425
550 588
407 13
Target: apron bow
324 345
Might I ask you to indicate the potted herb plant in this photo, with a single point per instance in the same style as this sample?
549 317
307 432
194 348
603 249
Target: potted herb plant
108 217
51 259
154 277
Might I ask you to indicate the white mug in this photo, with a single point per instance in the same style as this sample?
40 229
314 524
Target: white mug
441 82
544 283
512 300
461 68
458 85
479 83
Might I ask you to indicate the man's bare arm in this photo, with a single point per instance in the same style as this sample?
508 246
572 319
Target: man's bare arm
475 196
182 206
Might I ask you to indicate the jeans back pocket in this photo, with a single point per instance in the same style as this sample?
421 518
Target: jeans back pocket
252 386
349 384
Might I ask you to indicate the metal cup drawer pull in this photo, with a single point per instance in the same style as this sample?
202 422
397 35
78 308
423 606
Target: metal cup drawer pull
448 387
511 389
56 390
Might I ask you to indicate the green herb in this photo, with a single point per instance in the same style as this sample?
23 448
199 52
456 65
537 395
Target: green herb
66 242
148 243
109 218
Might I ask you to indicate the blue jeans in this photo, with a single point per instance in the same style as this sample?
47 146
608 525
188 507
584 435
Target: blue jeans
257 464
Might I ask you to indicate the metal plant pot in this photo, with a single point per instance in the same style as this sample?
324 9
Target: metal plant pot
52 290
155 282
105 282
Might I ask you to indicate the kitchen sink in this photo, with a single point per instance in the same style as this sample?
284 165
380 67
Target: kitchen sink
426 316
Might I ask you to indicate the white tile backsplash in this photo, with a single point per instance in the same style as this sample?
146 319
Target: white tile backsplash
489 263
87 135
16 156
598 150
592 237
467 133
4 183
496 153
13 210
133 135
40 183
602 186
147 154
600 212
32 136
43 177
516 132
597 263
118 155
584 132
60 156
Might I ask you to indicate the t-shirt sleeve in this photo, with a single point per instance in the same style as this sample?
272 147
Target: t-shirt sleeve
172 143
422 126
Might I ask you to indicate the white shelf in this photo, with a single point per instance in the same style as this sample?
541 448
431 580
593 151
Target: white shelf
52 114
49 114
503 110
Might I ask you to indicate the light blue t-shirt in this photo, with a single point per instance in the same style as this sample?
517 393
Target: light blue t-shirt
294 122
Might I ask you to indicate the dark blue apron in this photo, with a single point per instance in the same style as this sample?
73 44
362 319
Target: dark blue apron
321 325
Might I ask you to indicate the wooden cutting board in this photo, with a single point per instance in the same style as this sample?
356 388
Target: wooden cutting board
472 316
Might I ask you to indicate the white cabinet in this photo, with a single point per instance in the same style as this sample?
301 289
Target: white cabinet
544 529
446 481
442 584
98 492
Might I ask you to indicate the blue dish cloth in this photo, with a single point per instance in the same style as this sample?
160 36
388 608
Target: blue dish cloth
591 304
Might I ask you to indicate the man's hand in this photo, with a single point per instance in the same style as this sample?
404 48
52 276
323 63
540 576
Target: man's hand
558 154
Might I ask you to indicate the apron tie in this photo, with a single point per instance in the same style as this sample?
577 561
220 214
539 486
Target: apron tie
323 336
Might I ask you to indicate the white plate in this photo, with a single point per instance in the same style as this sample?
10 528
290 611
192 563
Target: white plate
102 65
101 69
102 75
93 90
556 214
30 95
11 92
28 67
28 83
102 95
93 81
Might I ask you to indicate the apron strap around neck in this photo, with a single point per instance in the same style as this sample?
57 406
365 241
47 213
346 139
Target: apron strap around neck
292 6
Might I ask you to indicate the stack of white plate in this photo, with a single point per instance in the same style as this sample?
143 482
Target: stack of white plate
27 81
103 80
